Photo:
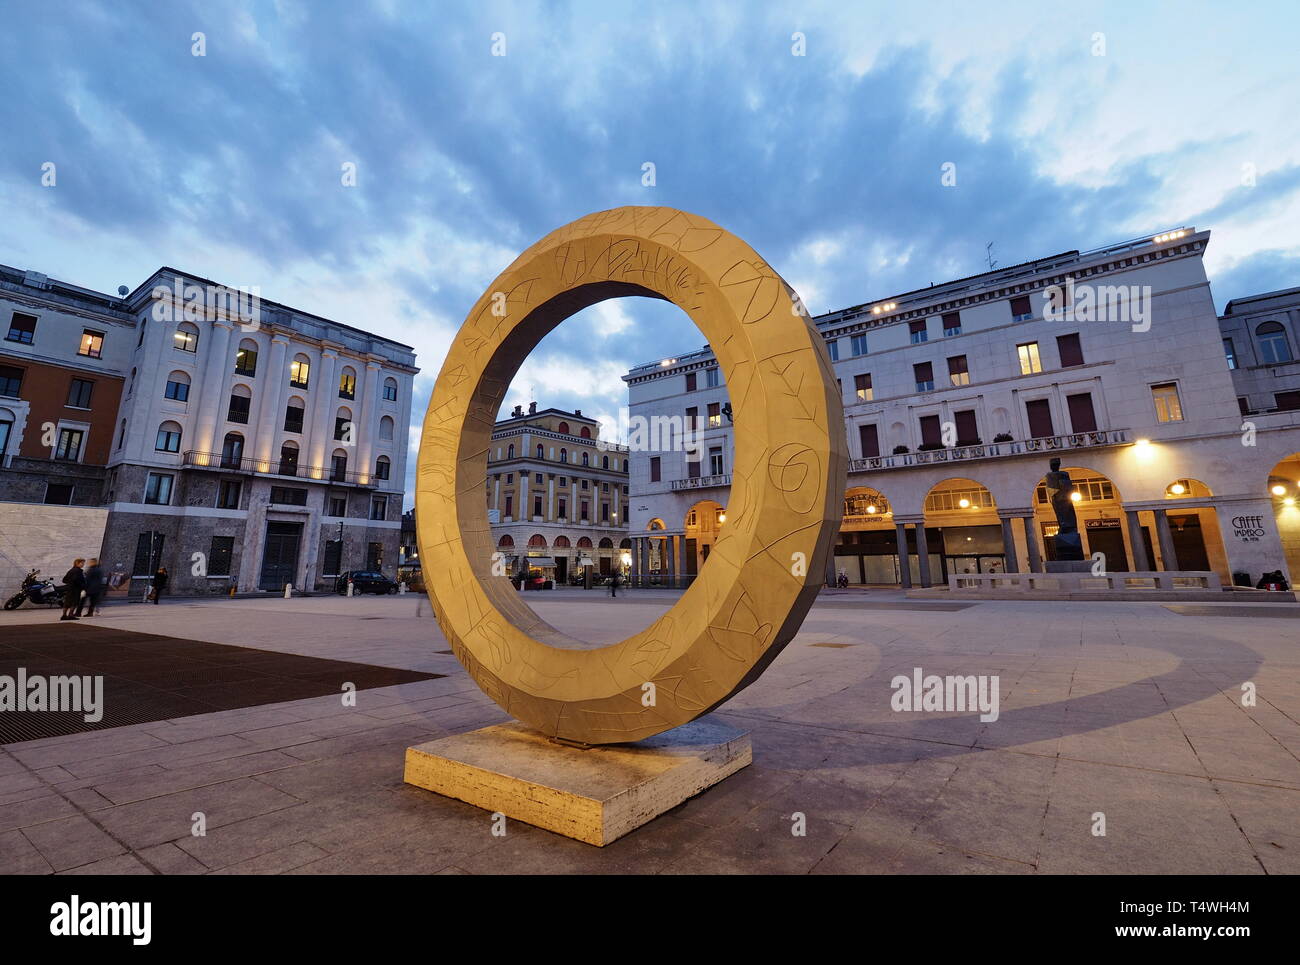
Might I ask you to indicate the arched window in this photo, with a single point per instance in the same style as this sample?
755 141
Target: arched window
121 436
626 544
506 540
187 337
1273 346
130 386
386 426
584 542
606 543
241 400
586 432
300 371
169 437
586 460
510 451
564 455
561 542
289 459
390 390
382 467
537 540
343 430
541 452
625 465
348 383
178 387
604 462
232 450
564 428
246 358
339 466
294 412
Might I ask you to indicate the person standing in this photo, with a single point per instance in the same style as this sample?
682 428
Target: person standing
74 584
159 583
96 587
613 584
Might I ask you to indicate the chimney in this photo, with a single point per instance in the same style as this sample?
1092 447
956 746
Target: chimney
577 412
532 408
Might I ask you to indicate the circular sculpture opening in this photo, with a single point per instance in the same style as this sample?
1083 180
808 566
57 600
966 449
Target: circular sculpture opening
782 515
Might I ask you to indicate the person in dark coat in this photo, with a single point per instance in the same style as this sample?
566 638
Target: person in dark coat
74 584
613 584
159 583
96 587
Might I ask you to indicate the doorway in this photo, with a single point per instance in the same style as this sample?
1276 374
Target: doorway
1189 542
1108 541
280 555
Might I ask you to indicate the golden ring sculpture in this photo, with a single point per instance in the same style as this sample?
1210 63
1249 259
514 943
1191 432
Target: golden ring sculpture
788 477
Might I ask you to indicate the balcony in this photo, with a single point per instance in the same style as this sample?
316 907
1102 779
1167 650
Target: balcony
703 482
996 450
280 469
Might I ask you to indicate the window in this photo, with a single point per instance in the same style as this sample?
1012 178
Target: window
148 553
1021 310
711 378
1230 353
186 337
952 324
68 448
390 390
862 387
22 328
348 384
1168 406
79 393
510 503
958 373
604 512
6 429
1082 416
563 509
58 494
333 561
382 467
563 428
228 494
343 427
692 418
11 381
374 556
690 381
288 496
858 345
564 455
585 512
300 372
339 467
541 452
1273 346
379 507
715 461
537 505
386 425
694 459
1287 401
220 552
1029 360
338 506
968 431
510 451
924 374
1070 350
158 489
833 346
239 405
1243 403
121 437
288 460
246 359
586 459
1039 413
293 418
715 415
169 438
655 469
917 331
931 431
232 451
869 438
178 387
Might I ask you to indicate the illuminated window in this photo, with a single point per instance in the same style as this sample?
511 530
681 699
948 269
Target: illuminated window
1029 360
92 344
1169 408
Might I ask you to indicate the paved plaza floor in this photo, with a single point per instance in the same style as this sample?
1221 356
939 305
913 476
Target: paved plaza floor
1127 715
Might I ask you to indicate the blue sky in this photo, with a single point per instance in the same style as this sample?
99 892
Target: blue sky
1067 129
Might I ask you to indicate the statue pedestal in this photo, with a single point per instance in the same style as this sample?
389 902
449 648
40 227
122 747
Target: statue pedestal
594 794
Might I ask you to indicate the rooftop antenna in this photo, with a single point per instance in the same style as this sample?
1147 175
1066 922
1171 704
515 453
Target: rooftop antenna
988 256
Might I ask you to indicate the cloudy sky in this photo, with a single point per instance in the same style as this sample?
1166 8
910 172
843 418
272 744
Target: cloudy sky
817 134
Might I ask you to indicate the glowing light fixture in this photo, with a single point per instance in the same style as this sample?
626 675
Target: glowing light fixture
1075 496
963 503
1178 489
871 508
1168 236
1289 501
885 307
1279 490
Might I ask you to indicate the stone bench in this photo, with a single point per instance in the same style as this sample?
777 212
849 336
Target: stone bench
1085 582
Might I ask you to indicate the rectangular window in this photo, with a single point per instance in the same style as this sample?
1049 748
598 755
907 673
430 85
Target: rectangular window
833 346
1169 408
711 378
1082 416
338 506
654 469
179 391
694 460
246 362
715 461
339 468
228 494
6 431
92 343
968 433
537 505
917 331
186 341
715 415
22 328
858 345
1021 310
347 386
931 431
374 556
1243 403
69 445
862 387
924 373
958 373
1287 401
58 494
1230 351
293 418
870 441
333 561
510 506
382 468
167 441
158 489
1070 350
952 324
604 512
690 381
148 553
288 496
238 410
341 425
1029 360
563 509
299 373
585 514
692 418
11 381
1039 412
379 507
220 552
79 393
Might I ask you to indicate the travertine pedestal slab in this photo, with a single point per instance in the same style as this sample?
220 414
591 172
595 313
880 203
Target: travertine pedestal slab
595 794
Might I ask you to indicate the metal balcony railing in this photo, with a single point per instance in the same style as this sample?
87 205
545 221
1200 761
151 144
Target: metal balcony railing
703 482
224 462
995 450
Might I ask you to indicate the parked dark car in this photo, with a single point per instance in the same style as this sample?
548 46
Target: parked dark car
365 581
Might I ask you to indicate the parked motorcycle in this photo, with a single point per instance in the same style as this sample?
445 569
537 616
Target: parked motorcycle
38 591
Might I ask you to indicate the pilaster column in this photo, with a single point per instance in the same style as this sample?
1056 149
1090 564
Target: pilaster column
550 498
324 394
1012 558
636 558
366 428
274 391
904 558
922 555
1031 544
211 401
1167 550
1137 544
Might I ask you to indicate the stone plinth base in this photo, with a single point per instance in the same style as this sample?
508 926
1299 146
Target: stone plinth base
596 794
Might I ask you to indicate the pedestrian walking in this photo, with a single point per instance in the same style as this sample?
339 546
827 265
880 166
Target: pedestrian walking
96 587
74 584
613 585
159 583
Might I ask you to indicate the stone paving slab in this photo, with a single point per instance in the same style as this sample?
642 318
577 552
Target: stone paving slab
1125 709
